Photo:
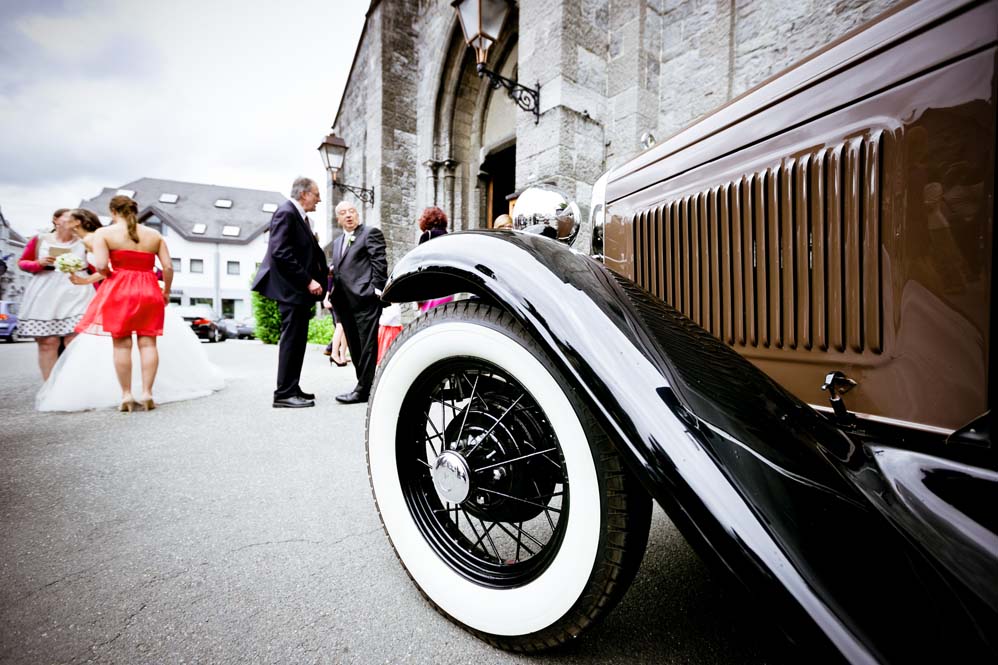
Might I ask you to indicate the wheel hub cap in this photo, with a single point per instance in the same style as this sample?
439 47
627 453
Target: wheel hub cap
451 476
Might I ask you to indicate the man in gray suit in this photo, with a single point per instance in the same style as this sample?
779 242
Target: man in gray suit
360 270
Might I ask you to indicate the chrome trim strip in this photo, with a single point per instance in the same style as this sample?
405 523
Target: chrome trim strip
890 421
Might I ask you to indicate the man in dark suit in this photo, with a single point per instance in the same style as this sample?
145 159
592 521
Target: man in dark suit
360 270
292 273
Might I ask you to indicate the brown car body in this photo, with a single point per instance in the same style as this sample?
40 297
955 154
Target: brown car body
838 217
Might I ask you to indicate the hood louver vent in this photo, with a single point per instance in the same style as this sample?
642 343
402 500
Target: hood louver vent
785 258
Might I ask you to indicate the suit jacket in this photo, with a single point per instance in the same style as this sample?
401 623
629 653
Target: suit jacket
360 271
293 259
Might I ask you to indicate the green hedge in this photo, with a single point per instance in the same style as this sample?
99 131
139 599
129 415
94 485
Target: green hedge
320 331
268 322
268 319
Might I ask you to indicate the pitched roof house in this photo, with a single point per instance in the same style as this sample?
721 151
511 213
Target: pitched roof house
215 235
197 212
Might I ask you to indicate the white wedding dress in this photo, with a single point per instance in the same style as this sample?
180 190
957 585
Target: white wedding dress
84 377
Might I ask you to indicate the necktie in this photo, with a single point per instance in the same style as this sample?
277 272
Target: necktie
347 237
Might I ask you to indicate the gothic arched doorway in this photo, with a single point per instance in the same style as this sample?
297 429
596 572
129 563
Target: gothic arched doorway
473 170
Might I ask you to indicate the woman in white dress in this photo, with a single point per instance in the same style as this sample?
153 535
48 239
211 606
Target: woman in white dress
52 305
84 377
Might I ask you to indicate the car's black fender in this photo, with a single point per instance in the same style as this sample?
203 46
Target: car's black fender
755 479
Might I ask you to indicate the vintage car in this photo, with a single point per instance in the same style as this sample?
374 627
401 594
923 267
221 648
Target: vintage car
781 334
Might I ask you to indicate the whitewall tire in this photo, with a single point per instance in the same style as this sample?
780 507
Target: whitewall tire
504 501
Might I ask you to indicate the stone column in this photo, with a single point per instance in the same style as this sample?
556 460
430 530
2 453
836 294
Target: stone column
433 180
449 199
563 45
395 74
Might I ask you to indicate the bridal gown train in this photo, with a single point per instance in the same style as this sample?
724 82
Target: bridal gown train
84 376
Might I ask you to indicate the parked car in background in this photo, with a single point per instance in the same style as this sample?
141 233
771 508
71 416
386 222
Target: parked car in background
8 321
230 327
238 329
783 334
204 322
246 329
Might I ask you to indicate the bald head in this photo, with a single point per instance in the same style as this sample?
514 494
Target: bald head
346 216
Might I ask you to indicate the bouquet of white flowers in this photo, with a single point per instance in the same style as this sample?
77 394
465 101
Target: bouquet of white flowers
69 263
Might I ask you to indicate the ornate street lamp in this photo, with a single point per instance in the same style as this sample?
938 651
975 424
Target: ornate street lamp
481 21
333 149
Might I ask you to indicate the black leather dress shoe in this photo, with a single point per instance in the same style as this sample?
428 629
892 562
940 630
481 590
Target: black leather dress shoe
352 397
293 402
302 393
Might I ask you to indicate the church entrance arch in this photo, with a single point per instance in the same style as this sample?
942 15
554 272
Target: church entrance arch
473 170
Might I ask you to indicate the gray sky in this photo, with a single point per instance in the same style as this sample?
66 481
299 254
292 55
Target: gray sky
96 93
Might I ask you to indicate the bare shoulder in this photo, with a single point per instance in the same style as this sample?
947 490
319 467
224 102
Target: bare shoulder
149 239
146 232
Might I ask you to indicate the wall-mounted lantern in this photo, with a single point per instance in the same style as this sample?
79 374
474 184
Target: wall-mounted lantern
333 149
481 21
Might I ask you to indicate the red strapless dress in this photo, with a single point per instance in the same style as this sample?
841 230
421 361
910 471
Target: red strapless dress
129 300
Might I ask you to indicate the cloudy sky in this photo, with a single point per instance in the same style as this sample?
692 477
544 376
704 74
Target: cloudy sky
96 93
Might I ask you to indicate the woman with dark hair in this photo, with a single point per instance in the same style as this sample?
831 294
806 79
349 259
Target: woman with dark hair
432 223
130 301
85 224
52 305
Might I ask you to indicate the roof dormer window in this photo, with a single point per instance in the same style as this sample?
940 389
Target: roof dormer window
269 207
230 231
223 203
168 198
130 193
199 229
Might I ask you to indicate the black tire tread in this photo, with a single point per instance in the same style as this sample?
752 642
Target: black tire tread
628 507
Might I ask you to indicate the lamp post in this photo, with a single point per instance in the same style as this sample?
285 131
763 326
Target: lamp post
481 21
333 149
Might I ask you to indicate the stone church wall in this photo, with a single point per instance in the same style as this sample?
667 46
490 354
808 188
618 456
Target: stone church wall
610 73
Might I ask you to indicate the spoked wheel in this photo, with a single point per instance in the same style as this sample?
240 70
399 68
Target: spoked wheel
483 473
504 501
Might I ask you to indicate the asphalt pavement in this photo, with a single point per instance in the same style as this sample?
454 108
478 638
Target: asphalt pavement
221 530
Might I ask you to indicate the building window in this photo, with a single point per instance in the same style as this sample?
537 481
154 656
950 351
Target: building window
203 301
223 203
231 231
130 193
229 308
176 264
232 267
168 198
199 229
176 300
153 222
197 265
269 207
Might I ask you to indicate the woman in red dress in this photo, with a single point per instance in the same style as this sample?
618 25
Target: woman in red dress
130 300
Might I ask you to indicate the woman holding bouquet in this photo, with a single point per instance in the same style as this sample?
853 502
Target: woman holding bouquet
85 378
53 305
130 300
